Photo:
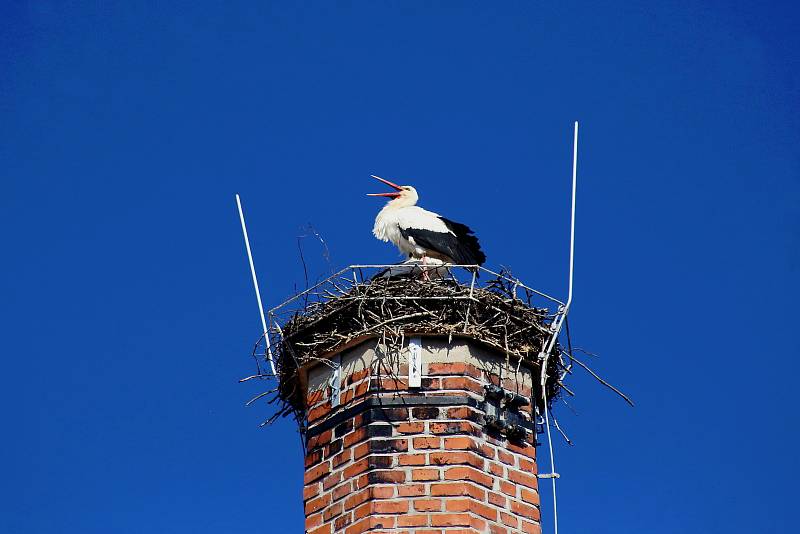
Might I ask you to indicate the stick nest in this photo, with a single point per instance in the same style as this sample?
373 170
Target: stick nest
498 315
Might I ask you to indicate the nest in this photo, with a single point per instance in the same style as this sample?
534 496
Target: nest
498 315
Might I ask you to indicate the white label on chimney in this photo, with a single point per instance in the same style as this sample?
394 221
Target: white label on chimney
414 362
335 382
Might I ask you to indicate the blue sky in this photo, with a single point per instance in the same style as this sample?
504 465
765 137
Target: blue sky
126 128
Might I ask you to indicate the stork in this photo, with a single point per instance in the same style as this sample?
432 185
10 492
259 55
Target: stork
422 234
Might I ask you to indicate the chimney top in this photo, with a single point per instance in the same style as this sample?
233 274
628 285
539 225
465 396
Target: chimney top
359 303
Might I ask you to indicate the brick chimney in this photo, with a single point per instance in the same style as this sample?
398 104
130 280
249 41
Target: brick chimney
451 456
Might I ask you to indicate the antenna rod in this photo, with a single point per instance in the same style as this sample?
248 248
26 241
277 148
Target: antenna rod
572 222
255 283
556 330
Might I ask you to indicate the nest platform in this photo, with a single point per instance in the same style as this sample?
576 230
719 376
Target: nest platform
392 303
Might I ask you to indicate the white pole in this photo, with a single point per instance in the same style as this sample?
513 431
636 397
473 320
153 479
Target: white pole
255 283
557 329
572 222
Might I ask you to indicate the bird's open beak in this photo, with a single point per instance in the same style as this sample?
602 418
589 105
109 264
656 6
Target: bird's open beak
394 194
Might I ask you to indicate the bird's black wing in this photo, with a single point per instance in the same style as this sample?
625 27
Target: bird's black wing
462 245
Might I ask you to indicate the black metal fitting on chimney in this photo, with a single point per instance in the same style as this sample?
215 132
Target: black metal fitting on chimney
503 416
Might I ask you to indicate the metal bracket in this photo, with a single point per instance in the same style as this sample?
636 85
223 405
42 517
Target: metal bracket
335 381
415 362
502 413
548 475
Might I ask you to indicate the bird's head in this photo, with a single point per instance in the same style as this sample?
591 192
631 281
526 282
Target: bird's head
403 195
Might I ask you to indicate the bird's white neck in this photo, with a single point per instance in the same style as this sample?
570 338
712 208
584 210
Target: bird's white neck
406 199
386 228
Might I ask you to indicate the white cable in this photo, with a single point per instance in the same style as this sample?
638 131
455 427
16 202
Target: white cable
255 284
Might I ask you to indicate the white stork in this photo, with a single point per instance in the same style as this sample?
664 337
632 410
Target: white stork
422 234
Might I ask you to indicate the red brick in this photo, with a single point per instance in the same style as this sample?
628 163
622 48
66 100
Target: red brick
484 511
323 438
331 480
450 520
531 497
410 428
313 457
341 491
358 528
508 488
370 523
455 368
522 478
382 492
508 519
382 522
319 411
469 505
345 397
468 473
324 529
428 505
389 383
357 376
361 482
387 477
310 491
457 505
425 412
531 528
342 458
456 458
361 389
411 459
411 490
496 499
317 504
342 521
412 521
478 524
365 510
514 385
356 468
390 507
461 383
431 383
314 397
360 434
388 445
527 465
422 475
356 499
427 443
457 489
462 412
314 520
506 457
487 451
496 469
525 510
527 450
333 511
459 443
359 451
497 529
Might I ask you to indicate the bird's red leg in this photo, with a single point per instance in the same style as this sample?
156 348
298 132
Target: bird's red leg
425 271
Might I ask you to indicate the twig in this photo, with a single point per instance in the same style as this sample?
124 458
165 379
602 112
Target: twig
609 386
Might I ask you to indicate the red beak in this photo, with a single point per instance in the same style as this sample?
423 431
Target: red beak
390 184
